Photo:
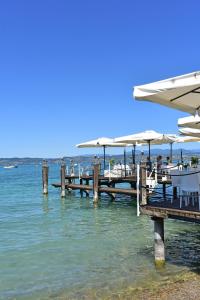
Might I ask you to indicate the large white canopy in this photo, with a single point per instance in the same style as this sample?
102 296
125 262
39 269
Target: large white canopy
191 121
192 132
101 142
181 92
145 137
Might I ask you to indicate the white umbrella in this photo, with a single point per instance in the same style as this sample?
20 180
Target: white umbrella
191 132
185 139
191 121
149 137
181 92
101 142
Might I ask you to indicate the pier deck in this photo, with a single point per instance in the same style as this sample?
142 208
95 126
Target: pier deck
86 183
173 213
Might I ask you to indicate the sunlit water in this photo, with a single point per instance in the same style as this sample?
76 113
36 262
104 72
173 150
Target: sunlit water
51 247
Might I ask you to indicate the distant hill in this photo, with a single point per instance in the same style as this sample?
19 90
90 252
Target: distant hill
89 158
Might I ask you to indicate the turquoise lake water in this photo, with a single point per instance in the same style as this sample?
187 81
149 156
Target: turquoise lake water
51 247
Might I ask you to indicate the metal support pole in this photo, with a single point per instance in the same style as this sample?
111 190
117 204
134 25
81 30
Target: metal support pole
138 190
125 162
133 154
149 160
149 143
171 152
181 156
104 157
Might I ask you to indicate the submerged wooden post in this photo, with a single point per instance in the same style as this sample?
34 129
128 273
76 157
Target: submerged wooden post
96 183
143 191
159 241
45 171
62 177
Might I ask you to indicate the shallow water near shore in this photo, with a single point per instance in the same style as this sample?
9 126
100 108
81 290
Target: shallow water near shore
50 247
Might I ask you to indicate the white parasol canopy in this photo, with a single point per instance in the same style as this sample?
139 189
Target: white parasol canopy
192 132
181 92
191 121
149 137
144 137
101 142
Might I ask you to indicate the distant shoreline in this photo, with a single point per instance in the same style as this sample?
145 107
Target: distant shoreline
90 157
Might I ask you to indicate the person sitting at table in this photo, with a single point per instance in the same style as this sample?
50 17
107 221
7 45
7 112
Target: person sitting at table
159 162
168 161
148 163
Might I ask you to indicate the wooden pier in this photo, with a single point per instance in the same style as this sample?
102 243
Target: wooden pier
171 213
99 184
158 204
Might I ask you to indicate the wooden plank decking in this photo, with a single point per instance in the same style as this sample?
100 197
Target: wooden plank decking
173 213
108 190
74 186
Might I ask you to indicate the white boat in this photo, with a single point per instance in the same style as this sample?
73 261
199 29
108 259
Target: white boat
9 167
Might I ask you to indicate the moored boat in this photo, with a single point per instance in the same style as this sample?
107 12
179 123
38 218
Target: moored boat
10 167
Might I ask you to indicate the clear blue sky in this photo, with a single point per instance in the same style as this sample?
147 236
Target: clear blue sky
67 69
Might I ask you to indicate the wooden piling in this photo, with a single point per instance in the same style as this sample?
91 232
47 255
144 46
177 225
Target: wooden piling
62 176
81 191
143 191
159 241
45 171
96 183
112 195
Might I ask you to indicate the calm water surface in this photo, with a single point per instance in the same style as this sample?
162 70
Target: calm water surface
50 246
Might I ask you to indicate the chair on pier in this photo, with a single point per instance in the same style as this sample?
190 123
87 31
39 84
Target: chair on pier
189 190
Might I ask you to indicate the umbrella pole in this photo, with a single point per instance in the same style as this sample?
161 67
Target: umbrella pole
104 157
125 161
171 154
149 162
181 156
149 142
133 154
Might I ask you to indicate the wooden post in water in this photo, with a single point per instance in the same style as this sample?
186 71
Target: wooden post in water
159 241
45 171
62 177
81 191
143 191
96 183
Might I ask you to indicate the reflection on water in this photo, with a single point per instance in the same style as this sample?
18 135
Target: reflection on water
51 246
